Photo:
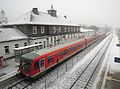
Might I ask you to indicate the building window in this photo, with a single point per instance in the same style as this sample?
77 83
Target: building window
77 29
34 29
68 29
74 29
54 29
42 29
16 45
65 29
36 43
15 27
59 29
25 44
6 49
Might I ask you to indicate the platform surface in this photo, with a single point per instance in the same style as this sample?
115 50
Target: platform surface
10 70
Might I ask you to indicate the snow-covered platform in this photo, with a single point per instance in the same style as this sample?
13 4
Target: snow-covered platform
111 78
108 68
9 71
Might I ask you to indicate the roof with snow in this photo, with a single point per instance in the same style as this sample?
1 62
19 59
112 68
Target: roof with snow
8 34
41 19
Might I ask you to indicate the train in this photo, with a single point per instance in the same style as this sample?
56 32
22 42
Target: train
39 61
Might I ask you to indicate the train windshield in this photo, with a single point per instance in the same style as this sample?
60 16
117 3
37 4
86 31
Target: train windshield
25 64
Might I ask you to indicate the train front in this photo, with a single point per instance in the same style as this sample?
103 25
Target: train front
25 67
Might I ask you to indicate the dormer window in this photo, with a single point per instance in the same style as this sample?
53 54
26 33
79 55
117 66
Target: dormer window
34 29
42 29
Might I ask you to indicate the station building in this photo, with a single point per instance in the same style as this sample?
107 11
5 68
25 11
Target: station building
11 38
45 28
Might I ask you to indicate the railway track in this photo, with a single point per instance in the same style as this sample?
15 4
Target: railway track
88 73
25 84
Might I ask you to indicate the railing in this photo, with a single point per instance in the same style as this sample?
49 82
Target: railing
23 50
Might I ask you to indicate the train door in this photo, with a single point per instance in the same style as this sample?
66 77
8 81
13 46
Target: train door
42 64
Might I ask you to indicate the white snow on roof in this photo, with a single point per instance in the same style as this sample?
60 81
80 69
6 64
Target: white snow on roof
23 19
25 47
43 19
8 34
86 30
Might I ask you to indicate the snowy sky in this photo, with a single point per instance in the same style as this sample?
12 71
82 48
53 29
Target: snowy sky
98 12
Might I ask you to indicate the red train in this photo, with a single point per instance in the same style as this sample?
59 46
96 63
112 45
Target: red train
39 61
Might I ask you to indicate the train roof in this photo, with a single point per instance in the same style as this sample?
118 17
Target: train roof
30 55
37 53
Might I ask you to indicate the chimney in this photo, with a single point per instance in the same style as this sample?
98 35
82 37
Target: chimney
65 16
35 11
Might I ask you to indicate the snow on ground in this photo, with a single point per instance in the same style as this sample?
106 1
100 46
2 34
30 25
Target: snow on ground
10 70
114 66
103 66
72 75
108 64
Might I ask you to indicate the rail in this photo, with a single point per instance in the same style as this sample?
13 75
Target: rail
86 77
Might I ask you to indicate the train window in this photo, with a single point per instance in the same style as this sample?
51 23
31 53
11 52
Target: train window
50 59
65 52
69 51
24 63
36 65
42 63
60 54
72 48
76 47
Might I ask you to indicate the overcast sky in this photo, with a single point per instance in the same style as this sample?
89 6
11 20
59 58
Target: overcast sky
98 12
